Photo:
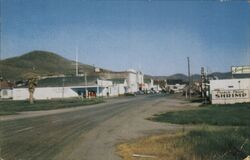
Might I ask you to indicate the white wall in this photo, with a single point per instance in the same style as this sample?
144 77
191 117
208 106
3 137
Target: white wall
121 89
230 91
104 83
44 93
178 88
113 91
140 78
6 93
132 82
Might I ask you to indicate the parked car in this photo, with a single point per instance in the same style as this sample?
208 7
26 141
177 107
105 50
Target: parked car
139 93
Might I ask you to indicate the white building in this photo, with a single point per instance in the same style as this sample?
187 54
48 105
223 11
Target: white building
100 88
67 87
132 81
5 93
230 91
42 93
177 88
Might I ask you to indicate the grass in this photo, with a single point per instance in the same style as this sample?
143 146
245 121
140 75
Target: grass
199 144
12 107
204 141
129 94
227 144
220 115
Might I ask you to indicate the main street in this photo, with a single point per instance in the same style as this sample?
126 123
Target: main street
86 133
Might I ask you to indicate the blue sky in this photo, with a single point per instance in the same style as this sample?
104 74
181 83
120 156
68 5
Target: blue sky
153 36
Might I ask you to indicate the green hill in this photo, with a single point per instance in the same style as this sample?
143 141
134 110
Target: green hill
40 63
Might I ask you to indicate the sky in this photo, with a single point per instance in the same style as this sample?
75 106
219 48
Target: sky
155 37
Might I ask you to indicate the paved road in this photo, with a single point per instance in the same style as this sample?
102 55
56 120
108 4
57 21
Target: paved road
87 133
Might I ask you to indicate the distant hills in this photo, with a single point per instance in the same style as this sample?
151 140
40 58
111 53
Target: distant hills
196 77
39 63
45 63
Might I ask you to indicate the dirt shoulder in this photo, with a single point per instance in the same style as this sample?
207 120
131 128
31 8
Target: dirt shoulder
101 142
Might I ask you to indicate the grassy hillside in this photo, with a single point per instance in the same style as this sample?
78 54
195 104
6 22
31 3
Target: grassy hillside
41 63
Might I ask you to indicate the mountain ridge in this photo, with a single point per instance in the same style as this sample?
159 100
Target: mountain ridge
39 63
46 63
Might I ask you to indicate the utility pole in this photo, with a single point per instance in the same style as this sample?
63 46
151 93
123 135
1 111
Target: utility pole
63 84
1 76
189 79
0 33
76 61
86 83
202 82
1 19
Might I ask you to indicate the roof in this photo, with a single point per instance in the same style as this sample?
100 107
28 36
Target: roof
131 70
67 81
117 80
6 85
64 81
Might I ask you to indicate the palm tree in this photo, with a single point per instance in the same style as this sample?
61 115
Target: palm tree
32 83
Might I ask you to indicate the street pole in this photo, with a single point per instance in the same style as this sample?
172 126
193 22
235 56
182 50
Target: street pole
86 83
1 35
63 80
77 62
1 74
189 78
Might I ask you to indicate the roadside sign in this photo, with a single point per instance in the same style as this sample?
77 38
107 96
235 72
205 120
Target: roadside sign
240 69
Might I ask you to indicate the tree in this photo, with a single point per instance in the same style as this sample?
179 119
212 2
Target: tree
32 83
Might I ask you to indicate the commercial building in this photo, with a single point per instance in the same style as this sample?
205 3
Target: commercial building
69 87
230 91
134 79
175 85
79 86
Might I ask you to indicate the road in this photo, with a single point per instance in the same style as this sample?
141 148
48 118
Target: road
86 133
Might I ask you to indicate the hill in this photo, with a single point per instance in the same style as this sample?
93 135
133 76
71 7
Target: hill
45 63
39 63
196 77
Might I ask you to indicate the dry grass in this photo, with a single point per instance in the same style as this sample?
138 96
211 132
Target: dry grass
154 146
198 144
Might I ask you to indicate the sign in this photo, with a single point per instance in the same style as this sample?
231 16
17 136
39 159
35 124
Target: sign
241 70
230 94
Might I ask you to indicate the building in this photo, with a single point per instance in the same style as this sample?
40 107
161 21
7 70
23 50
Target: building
69 87
134 79
175 85
104 84
150 85
230 91
121 84
6 89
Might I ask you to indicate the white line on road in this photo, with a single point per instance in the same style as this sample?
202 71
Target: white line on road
24 129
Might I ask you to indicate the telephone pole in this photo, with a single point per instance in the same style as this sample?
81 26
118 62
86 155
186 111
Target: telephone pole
77 61
1 19
86 85
189 79
0 32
